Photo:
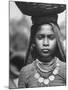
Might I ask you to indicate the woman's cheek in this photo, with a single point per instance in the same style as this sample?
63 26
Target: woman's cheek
53 44
39 44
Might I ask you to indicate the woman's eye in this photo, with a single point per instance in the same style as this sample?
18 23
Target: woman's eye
40 37
51 37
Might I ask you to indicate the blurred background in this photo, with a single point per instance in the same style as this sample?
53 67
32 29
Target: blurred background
19 33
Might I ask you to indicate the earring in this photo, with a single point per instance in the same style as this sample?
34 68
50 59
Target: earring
33 45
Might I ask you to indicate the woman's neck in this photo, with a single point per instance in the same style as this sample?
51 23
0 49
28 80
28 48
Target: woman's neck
47 65
46 60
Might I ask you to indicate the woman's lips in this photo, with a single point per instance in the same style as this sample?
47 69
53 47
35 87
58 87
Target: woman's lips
45 50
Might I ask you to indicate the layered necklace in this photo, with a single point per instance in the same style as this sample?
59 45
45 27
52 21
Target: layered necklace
51 78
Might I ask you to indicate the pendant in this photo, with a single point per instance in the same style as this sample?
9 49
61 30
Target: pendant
46 81
37 76
55 71
41 79
57 64
51 78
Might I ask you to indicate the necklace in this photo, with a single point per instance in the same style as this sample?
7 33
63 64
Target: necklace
46 81
48 68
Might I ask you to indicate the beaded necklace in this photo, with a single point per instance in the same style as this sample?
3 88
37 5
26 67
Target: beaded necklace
46 81
48 67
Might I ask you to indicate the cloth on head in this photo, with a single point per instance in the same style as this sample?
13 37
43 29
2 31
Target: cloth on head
45 19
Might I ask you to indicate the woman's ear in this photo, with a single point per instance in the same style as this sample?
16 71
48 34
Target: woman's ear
33 45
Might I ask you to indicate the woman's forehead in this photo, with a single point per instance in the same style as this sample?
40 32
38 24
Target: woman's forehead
45 29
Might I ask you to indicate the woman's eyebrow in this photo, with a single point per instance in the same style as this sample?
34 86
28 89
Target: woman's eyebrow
40 34
45 34
51 34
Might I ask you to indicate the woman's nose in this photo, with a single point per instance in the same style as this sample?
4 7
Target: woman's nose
46 42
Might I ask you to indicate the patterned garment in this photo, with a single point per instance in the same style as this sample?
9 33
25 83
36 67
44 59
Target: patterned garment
27 79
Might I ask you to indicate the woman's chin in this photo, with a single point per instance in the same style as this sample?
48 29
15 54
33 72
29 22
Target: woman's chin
45 55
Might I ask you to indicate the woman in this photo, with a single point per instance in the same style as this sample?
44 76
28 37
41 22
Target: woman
46 49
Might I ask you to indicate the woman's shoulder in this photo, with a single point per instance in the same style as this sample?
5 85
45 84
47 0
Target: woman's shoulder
62 64
28 69
62 68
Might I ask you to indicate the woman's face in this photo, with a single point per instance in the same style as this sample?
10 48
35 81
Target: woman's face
45 41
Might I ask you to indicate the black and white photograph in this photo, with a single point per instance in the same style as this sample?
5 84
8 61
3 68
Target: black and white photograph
37 44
